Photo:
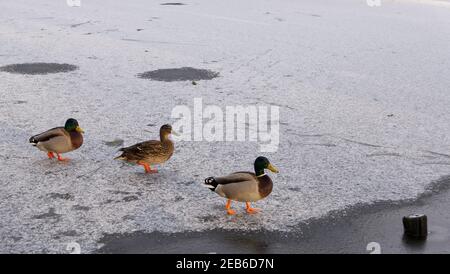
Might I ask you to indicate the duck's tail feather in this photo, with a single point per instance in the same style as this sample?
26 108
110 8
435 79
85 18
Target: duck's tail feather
211 183
121 156
33 141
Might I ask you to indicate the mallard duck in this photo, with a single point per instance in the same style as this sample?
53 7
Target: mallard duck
150 152
59 139
244 186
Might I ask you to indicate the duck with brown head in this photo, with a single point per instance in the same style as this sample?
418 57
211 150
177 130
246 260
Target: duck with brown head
150 152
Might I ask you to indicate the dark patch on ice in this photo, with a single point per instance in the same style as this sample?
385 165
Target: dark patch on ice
130 198
151 125
296 189
128 217
132 40
90 173
305 135
321 144
438 153
82 208
435 163
218 207
188 183
360 143
109 30
19 102
108 201
49 215
125 192
173 4
38 68
384 154
207 218
16 238
178 198
80 24
69 233
114 143
64 196
120 192
208 62
139 29
179 74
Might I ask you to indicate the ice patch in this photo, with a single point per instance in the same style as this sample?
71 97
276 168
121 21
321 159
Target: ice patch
179 74
38 68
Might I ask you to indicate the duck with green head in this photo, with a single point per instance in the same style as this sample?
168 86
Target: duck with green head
244 186
59 139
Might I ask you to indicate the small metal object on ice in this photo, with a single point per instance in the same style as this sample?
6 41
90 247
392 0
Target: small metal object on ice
415 225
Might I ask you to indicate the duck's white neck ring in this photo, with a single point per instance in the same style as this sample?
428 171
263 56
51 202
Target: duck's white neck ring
264 174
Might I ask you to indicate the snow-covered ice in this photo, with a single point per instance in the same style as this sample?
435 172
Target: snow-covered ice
363 95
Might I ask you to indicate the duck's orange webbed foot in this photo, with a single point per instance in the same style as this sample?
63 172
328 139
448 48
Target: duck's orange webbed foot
228 208
251 210
51 155
147 168
61 159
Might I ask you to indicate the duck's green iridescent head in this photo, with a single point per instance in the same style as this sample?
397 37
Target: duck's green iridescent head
262 163
72 125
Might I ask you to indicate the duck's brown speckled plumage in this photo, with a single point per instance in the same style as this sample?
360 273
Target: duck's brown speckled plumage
150 152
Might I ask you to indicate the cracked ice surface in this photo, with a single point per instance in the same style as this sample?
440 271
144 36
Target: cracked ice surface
363 96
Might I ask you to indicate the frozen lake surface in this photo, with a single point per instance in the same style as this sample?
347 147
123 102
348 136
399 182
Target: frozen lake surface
363 96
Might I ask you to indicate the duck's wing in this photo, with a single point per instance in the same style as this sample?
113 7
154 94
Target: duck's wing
143 150
55 140
239 186
236 177
48 135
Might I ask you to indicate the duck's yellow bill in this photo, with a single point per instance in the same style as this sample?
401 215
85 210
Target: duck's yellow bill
272 168
175 133
79 129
